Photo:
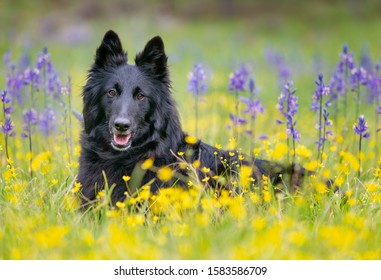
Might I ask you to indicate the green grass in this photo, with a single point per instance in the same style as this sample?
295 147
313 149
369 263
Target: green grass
39 217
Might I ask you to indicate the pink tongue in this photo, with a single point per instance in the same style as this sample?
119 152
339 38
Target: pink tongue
121 139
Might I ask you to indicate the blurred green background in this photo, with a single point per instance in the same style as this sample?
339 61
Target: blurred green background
221 34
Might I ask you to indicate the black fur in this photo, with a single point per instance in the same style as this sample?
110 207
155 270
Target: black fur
130 115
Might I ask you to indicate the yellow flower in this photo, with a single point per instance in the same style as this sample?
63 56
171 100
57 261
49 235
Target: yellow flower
180 154
377 172
54 182
241 157
339 139
180 229
135 220
9 174
256 151
326 173
352 201
371 187
203 219
73 164
145 192
196 163
120 205
231 154
165 173
266 196
205 169
155 219
10 161
134 200
40 160
255 198
53 236
218 146
339 181
126 178
280 151
112 213
351 160
29 156
77 187
77 150
321 187
191 140
313 165
297 237
71 203
237 208
338 236
232 144
349 193
245 175
259 223
282 135
147 164
206 179
303 151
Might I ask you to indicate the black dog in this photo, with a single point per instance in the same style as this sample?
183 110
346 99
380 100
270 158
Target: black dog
130 116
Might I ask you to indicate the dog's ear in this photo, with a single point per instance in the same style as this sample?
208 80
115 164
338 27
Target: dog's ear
153 59
110 52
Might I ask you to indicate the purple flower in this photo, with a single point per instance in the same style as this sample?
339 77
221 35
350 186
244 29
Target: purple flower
327 122
238 79
42 59
374 86
346 60
32 76
54 87
361 127
276 59
196 82
288 106
253 107
321 90
237 121
14 85
8 126
30 119
358 77
7 61
4 98
337 85
7 109
324 136
47 121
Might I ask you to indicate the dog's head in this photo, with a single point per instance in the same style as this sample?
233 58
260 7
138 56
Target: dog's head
125 97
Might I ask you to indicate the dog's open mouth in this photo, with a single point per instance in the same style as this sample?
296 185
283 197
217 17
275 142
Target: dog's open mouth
121 142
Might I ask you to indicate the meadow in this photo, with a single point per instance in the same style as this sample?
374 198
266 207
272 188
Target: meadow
238 75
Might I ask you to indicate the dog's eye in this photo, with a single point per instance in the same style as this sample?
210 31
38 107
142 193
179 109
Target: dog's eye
111 93
140 96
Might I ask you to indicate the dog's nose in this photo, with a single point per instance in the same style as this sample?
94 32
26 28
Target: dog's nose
122 124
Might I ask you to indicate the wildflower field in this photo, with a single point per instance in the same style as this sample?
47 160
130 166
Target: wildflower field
283 97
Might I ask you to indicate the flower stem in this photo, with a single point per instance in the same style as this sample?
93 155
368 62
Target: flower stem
196 115
235 124
320 127
359 172
31 154
358 98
